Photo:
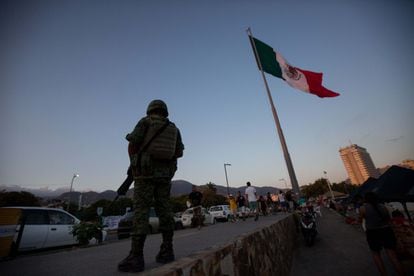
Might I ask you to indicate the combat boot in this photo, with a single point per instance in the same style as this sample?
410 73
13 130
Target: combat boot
134 262
166 254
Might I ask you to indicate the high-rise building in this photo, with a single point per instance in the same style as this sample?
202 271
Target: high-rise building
358 164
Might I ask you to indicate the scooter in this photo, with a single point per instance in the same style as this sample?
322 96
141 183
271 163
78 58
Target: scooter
308 227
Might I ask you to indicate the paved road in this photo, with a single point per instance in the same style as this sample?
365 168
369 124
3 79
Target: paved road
103 259
340 249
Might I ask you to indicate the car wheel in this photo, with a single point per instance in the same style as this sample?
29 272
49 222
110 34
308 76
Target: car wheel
178 225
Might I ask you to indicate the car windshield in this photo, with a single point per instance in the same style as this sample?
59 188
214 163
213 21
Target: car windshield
216 208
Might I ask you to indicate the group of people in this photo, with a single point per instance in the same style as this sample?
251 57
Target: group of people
240 203
155 145
244 205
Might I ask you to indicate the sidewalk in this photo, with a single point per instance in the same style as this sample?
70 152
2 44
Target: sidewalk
102 260
340 249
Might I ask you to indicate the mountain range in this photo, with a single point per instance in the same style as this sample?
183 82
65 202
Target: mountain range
178 187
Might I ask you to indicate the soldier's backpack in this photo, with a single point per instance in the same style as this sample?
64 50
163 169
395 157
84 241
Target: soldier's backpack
163 146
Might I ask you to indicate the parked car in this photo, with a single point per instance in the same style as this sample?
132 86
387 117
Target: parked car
125 224
188 215
246 213
220 212
44 227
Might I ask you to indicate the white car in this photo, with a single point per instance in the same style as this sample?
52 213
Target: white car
220 212
43 227
188 215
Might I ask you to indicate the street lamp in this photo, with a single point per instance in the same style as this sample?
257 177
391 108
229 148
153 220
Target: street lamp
71 185
284 180
329 185
227 181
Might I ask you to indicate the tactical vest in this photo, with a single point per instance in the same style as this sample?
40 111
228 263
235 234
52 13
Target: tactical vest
163 146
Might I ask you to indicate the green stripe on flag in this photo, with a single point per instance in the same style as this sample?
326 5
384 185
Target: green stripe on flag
268 58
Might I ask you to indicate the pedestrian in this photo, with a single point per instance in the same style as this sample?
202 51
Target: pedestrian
155 144
282 201
233 208
251 197
241 205
262 205
289 201
195 198
270 204
379 232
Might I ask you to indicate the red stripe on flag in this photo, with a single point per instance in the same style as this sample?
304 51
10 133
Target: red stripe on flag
315 84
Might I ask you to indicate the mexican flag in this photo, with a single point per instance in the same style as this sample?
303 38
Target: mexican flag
273 63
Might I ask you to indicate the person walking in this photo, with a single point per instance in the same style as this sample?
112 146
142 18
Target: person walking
251 197
379 232
270 204
241 205
154 146
289 201
282 201
195 198
233 208
262 205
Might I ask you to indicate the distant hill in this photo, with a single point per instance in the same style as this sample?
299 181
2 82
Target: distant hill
178 187
40 192
88 197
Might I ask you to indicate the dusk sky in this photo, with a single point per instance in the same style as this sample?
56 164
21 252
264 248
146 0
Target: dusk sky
76 76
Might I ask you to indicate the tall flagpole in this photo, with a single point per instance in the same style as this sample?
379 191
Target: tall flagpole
291 171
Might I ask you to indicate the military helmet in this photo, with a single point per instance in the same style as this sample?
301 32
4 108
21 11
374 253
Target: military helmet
157 105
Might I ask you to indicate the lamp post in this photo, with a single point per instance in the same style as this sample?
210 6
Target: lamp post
71 185
225 172
329 185
284 180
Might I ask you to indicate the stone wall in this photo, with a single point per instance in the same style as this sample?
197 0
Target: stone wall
267 251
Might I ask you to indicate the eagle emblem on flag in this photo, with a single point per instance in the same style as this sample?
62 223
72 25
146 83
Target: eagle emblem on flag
291 72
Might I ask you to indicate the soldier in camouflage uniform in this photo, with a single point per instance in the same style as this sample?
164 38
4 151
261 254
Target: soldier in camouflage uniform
154 146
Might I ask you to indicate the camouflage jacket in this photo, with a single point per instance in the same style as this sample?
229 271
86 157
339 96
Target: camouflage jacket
148 166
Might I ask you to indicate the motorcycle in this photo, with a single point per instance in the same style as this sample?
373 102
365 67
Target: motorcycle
308 227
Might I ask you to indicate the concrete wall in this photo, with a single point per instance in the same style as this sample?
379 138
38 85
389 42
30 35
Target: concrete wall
267 251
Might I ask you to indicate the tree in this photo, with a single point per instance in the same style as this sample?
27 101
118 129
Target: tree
18 199
211 187
343 187
213 199
210 196
110 208
319 187
179 203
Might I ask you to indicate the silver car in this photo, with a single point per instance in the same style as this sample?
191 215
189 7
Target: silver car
42 227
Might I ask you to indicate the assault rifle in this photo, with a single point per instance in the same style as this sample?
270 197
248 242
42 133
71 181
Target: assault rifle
123 189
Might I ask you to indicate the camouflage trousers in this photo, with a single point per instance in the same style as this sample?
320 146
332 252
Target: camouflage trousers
152 192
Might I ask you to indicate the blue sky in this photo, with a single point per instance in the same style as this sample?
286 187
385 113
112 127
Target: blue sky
75 77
